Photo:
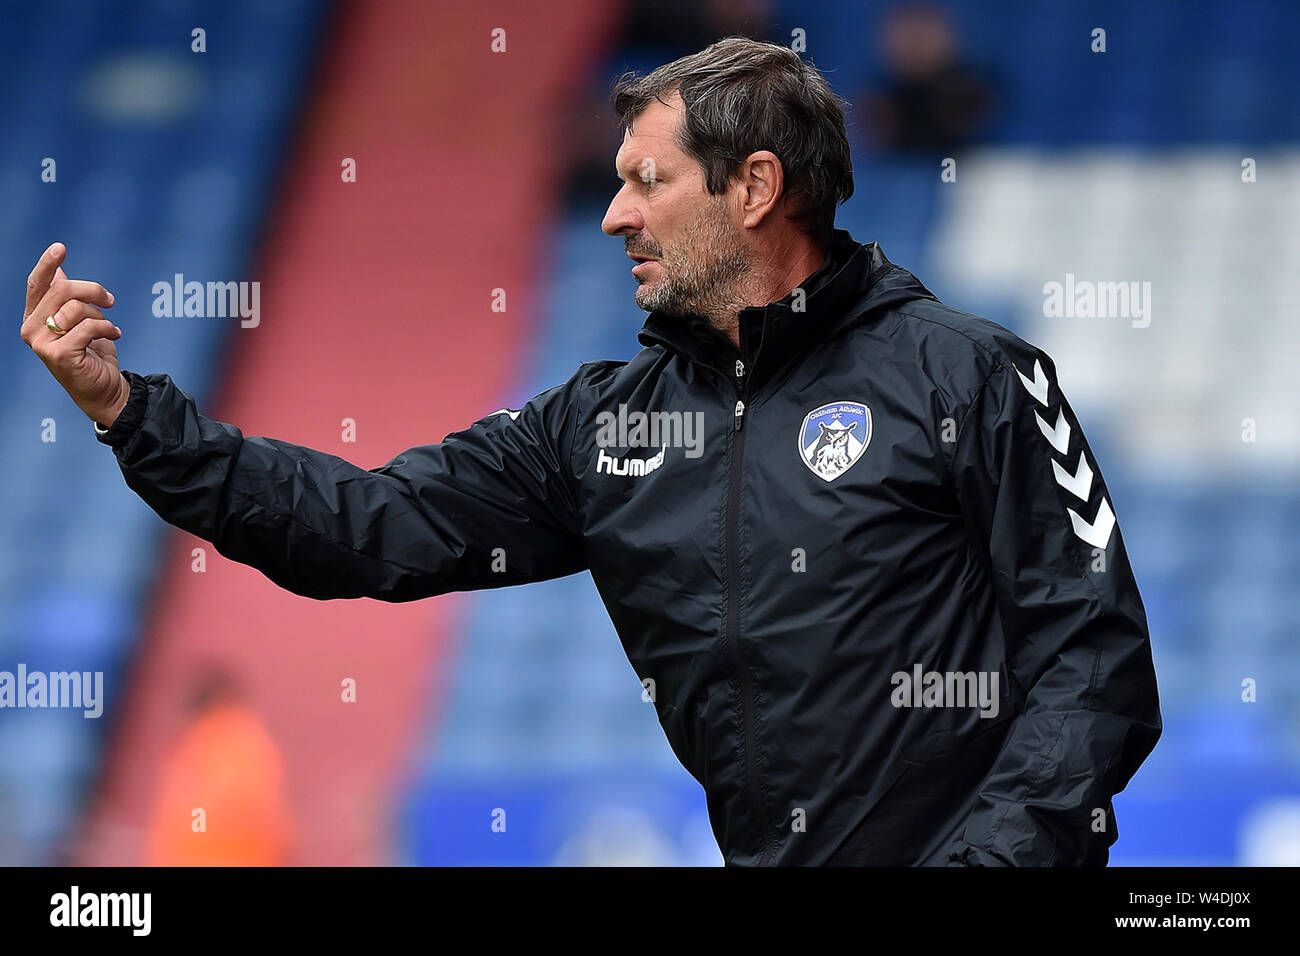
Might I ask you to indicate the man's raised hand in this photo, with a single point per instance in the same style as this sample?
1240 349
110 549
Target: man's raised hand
83 358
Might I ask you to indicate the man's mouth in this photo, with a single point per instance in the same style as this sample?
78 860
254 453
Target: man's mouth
642 262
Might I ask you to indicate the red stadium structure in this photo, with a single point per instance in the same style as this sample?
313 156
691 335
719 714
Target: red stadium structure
377 308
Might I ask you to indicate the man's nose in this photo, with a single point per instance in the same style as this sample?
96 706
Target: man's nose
621 216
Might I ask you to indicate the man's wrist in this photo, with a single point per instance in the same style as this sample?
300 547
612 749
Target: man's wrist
128 419
105 421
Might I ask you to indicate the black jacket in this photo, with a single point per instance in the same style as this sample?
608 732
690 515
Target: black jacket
888 509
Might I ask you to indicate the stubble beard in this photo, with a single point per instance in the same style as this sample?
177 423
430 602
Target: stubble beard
701 274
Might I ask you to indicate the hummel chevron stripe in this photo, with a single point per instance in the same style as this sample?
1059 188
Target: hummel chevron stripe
1058 436
1038 387
1077 484
1096 534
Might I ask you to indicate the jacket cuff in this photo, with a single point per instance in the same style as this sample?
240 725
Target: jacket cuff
132 414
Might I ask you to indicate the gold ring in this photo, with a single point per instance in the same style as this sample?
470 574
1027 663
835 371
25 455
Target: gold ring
54 326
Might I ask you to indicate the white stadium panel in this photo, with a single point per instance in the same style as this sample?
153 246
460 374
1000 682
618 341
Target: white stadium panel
1219 340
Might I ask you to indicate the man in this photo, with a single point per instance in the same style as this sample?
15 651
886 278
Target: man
853 541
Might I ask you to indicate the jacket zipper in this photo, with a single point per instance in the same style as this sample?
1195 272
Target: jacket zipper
733 605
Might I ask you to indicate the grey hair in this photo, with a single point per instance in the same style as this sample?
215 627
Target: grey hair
744 95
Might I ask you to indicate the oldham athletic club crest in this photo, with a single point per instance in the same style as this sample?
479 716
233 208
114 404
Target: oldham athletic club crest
834 437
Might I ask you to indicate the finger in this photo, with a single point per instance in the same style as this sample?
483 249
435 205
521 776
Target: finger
38 283
85 290
69 315
62 292
86 332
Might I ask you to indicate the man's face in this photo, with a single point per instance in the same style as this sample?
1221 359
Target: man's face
692 252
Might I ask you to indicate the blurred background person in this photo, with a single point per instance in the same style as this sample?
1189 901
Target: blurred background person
221 788
929 100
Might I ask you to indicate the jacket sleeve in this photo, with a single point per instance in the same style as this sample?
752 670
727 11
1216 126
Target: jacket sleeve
489 506
1078 653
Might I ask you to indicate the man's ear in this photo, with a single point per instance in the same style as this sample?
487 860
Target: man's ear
763 181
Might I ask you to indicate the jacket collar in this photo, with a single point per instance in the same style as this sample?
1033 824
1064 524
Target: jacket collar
854 281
